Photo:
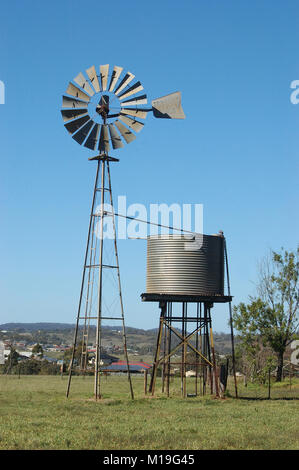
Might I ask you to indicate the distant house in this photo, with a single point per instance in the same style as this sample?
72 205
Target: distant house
24 354
105 358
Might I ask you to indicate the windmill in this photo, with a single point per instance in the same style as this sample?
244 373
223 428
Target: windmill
102 108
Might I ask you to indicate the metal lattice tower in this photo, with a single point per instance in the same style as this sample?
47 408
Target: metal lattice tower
91 303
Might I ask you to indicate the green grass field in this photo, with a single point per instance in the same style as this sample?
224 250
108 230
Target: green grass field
35 414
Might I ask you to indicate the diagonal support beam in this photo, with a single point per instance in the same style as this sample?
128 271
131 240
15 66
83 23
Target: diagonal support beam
183 341
157 355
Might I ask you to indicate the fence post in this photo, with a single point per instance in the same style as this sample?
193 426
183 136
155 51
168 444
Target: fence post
145 382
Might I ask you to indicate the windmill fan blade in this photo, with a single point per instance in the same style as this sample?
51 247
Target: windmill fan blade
125 132
77 93
81 135
104 139
132 123
68 114
115 76
168 106
83 83
73 103
92 75
125 81
115 137
93 137
131 91
135 101
113 115
141 113
74 125
104 70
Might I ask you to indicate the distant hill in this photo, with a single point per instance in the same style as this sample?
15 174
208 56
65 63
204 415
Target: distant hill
36 326
47 326
143 341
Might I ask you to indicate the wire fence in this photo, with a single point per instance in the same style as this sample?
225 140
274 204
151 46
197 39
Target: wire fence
287 389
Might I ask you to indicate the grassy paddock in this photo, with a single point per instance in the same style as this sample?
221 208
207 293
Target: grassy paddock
35 414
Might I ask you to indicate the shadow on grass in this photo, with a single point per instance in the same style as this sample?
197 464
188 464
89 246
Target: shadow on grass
268 399
228 395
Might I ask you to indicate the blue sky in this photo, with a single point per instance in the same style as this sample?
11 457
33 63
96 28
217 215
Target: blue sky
236 152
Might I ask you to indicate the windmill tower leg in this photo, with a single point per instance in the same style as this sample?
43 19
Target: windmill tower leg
88 281
83 281
119 285
97 390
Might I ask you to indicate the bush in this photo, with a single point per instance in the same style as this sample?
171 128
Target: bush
34 367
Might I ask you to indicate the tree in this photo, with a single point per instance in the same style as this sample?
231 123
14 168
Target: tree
37 350
271 317
78 353
13 357
30 367
11 361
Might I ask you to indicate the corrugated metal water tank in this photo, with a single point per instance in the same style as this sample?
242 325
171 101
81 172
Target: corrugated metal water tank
184 265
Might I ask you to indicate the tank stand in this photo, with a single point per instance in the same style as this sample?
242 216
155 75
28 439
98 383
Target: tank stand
199 342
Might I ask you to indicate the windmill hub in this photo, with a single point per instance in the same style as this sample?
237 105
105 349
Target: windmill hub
103 107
